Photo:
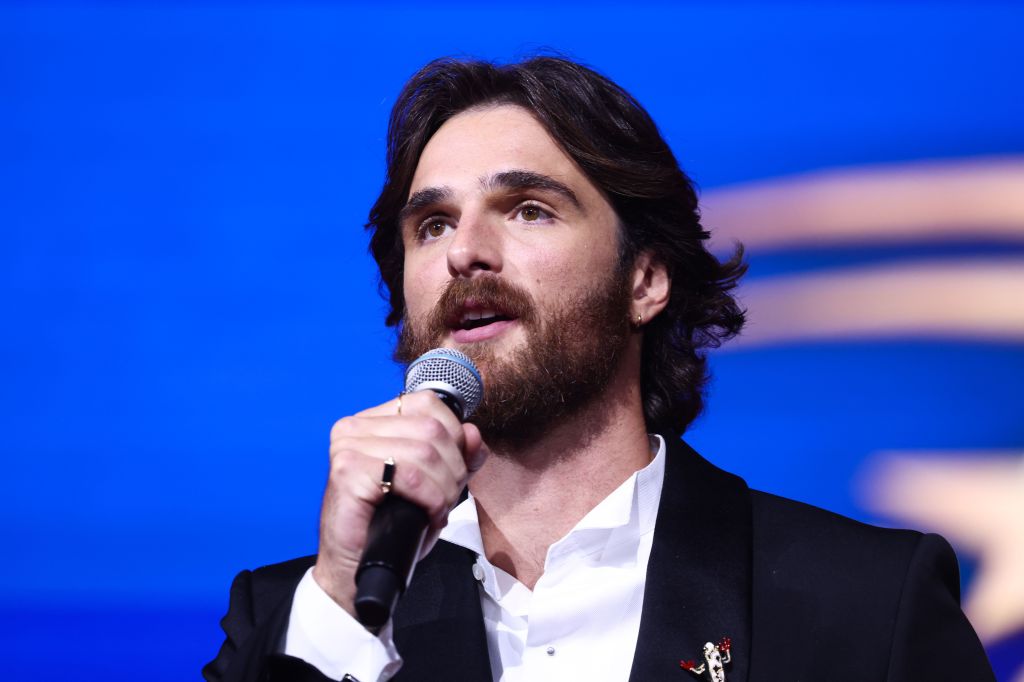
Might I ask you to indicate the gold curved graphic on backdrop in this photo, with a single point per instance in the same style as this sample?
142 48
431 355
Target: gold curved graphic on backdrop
925 202
968 299
976 198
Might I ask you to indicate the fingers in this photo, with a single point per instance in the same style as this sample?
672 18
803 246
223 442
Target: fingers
427 442
424 429
416 403
423 417
434 456
359 472
422 474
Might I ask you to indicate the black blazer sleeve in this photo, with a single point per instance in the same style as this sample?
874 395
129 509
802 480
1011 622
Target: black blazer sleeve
932 638
237 624
254 626
438 624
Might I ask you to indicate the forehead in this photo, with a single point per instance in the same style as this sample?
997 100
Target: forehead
477 143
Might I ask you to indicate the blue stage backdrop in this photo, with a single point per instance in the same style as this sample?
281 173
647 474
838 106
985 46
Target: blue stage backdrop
188 305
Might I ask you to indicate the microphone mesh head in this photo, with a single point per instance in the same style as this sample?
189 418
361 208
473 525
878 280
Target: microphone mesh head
448 371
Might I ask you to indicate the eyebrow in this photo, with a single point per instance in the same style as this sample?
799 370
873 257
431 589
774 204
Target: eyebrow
505 180
423 198
524 179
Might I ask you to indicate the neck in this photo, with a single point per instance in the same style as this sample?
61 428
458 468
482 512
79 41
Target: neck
529 498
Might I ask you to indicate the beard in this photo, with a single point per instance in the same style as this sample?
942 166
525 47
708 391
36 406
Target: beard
569 358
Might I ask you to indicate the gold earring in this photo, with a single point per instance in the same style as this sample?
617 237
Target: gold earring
639 320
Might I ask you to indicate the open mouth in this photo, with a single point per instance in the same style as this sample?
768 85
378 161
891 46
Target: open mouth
474 319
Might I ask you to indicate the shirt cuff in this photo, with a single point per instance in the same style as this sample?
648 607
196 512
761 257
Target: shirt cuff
324 635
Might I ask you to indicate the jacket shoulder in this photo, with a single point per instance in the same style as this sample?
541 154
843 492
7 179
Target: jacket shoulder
801 548
864 602
794 526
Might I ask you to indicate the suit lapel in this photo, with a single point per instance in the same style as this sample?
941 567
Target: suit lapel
699 573
698 587
438 624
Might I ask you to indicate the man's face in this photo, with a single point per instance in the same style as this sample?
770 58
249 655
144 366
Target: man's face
511 255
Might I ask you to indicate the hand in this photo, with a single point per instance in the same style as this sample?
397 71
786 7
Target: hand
434 455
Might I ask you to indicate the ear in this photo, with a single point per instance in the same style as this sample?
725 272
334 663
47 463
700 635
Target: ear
651 288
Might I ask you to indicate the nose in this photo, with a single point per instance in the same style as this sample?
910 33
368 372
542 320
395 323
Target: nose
475 247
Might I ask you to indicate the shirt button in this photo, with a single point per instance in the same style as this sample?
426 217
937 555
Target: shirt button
551 651
478 572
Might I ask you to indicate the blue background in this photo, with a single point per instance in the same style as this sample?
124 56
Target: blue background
187 303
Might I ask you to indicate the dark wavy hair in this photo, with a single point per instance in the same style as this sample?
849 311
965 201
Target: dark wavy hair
617 145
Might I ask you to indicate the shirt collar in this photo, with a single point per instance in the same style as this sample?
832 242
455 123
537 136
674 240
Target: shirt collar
627 513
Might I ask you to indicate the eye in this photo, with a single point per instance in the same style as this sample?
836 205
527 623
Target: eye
432 229
532 213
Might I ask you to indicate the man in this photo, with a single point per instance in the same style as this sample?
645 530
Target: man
534 218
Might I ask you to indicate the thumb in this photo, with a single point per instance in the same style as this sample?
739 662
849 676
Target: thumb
477 451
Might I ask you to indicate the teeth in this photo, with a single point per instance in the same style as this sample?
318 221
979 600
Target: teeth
478 315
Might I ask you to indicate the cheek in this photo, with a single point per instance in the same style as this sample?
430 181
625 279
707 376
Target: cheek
573 265
422 287
414 298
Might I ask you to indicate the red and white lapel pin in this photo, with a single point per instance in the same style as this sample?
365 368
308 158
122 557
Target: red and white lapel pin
715 660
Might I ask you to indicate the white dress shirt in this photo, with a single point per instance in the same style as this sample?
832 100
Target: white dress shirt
580 621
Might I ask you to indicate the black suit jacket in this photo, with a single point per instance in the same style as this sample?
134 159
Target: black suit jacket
805 596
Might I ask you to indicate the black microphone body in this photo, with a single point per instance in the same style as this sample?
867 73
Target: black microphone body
399 526
393 540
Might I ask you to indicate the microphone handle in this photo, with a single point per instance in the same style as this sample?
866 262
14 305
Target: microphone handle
393 542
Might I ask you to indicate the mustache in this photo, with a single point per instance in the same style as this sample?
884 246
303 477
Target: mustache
490 292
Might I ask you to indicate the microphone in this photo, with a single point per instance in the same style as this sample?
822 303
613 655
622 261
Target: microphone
398 526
